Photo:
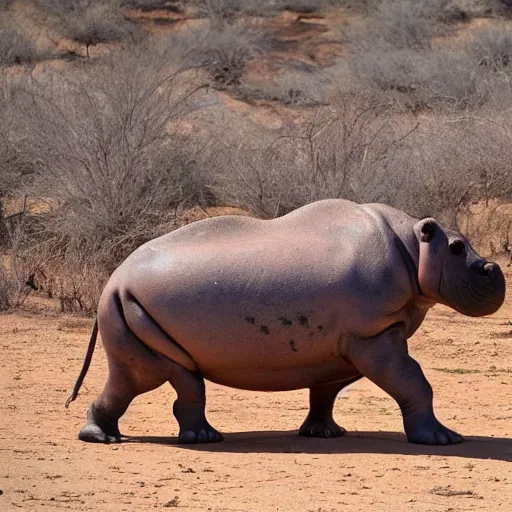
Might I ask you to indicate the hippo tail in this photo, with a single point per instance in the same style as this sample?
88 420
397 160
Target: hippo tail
85 366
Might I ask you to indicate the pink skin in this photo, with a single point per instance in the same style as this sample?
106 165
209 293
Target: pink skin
316 299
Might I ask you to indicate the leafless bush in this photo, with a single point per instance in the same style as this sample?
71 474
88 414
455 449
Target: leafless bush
7 290
110 157
452 79
448 163
225 52
484 7
492 49
15 166
15 269
15 48
341 152
403 24
428 79
292 87
89 22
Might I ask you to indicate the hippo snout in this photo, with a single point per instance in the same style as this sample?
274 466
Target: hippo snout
487 289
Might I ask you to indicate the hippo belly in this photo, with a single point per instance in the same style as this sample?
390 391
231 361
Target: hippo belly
250 319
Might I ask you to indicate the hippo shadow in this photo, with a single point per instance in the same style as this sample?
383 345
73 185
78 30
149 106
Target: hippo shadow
475 447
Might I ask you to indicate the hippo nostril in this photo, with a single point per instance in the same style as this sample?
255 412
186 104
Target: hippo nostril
487 268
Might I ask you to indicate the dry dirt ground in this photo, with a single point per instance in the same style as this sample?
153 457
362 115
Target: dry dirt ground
262 465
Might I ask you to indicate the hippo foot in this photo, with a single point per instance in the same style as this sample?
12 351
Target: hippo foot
205 434
323 429
99 429
432 432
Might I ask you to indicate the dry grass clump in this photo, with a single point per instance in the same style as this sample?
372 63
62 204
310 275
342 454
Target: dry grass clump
226 51
434 77
293 87
404 24
14 267
492 49
149 5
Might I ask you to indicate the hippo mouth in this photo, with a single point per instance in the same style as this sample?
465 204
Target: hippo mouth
481 296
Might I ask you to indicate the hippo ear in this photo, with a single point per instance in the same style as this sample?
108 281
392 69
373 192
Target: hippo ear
428 230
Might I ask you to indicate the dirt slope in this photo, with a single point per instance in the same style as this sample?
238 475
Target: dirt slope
263 465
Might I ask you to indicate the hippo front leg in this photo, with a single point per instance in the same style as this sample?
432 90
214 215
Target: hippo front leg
385 360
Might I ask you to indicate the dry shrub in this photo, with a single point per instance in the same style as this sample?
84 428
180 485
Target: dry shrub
449 163
298 86
108 158
149 5
441 78
492 49
15 48
403 24
488 224
341 152
9 291
15 267
89 22
15 165
363 150
227 10
225 52
478 8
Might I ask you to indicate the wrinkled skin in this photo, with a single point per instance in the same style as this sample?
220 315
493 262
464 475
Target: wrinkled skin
316 299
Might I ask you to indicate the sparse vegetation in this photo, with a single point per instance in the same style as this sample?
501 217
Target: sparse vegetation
449 492
113 150
458 371
226 51
89 22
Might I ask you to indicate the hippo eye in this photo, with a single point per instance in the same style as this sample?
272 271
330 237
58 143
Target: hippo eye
457 247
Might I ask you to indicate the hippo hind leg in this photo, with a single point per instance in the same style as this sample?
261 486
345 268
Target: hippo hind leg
133 369
105 411
319 421
125 382
189 408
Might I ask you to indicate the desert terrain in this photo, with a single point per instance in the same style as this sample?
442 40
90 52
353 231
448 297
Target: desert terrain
263 464
395 101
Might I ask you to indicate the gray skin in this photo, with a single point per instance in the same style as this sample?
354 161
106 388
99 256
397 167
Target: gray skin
316 299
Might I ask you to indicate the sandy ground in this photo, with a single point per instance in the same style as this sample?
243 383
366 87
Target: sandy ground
262 465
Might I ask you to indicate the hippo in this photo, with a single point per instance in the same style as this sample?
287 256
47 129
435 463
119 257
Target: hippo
316 299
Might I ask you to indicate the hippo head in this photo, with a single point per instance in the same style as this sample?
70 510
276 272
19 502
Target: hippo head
452 273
